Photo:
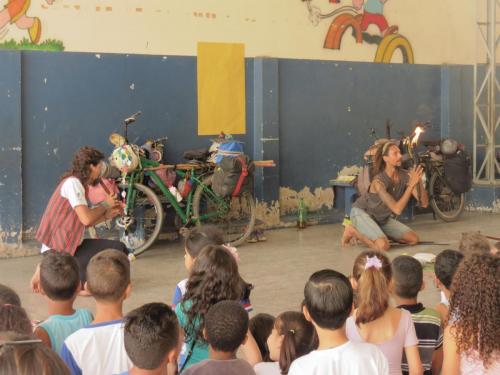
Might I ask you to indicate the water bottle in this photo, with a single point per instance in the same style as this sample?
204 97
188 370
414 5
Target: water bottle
301 214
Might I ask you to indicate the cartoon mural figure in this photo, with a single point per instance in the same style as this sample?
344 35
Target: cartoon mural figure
14 12
349 18
373 14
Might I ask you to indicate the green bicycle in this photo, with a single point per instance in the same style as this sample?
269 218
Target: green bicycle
144 214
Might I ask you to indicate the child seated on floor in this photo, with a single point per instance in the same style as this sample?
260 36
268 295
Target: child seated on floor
22 354
60 284
152 339
98 348
328 303
226 329
261 326
214 277
445 266
292 337
375 321
407 282
471 339
197 239
12 316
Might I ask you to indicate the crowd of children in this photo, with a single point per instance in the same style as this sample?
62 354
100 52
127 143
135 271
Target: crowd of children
368 323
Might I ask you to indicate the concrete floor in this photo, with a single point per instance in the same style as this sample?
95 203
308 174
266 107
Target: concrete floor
278 268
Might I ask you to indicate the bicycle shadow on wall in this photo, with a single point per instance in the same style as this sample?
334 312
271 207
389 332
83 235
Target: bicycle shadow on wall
358 18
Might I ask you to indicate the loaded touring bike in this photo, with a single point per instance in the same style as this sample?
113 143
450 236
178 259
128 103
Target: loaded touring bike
144 191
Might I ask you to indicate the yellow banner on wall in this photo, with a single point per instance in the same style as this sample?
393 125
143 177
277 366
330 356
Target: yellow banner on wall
221 88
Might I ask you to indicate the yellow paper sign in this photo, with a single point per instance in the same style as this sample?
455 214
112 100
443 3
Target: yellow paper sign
221 88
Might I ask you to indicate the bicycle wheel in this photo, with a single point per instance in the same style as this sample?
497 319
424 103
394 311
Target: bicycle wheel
446 204
145 217
236 222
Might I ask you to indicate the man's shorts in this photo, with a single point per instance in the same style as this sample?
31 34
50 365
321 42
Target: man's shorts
368 227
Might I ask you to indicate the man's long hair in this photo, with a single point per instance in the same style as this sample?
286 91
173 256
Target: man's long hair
378 160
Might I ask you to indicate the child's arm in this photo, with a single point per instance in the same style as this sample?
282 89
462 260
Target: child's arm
451 358
437 360
42 334
251 350
413 357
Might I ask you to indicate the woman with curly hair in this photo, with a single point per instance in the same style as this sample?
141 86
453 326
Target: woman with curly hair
214 277
67 214
471 340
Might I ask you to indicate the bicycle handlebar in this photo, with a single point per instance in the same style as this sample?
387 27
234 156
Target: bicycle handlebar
129 120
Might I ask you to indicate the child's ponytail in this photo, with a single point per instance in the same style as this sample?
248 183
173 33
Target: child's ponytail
299 338
372 271
288 351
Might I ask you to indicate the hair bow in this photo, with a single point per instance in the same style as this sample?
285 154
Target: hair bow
373 261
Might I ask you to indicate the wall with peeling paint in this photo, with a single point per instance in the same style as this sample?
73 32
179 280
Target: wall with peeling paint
312 117
11 202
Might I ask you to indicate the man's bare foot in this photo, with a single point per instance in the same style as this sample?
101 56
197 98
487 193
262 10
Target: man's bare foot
348 236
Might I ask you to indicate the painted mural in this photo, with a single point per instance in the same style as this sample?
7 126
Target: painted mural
354 21
396 31
17 15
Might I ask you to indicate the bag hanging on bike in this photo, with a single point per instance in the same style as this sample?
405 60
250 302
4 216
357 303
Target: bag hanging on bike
229 149
233 176
458 172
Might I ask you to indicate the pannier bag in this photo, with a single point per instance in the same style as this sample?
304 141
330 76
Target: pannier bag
233 176
229 149
458 172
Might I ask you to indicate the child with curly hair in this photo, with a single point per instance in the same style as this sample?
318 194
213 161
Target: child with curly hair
471 344
214 277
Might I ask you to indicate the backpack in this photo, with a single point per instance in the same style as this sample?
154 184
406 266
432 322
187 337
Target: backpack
233 176
458 172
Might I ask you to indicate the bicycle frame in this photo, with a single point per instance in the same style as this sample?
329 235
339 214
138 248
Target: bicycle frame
185 215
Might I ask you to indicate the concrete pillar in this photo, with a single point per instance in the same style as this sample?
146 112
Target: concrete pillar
11 204
266 127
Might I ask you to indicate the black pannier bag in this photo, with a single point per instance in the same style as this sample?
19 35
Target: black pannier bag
458 172
233 176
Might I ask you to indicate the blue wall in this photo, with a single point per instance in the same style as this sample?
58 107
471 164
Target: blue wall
312 117
10 148
75 99
327 109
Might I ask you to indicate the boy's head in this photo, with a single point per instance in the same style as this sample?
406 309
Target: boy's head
446 265
59 276
226 326
8 296
474 242
108 276
328 299
407 276
197 239
151 336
